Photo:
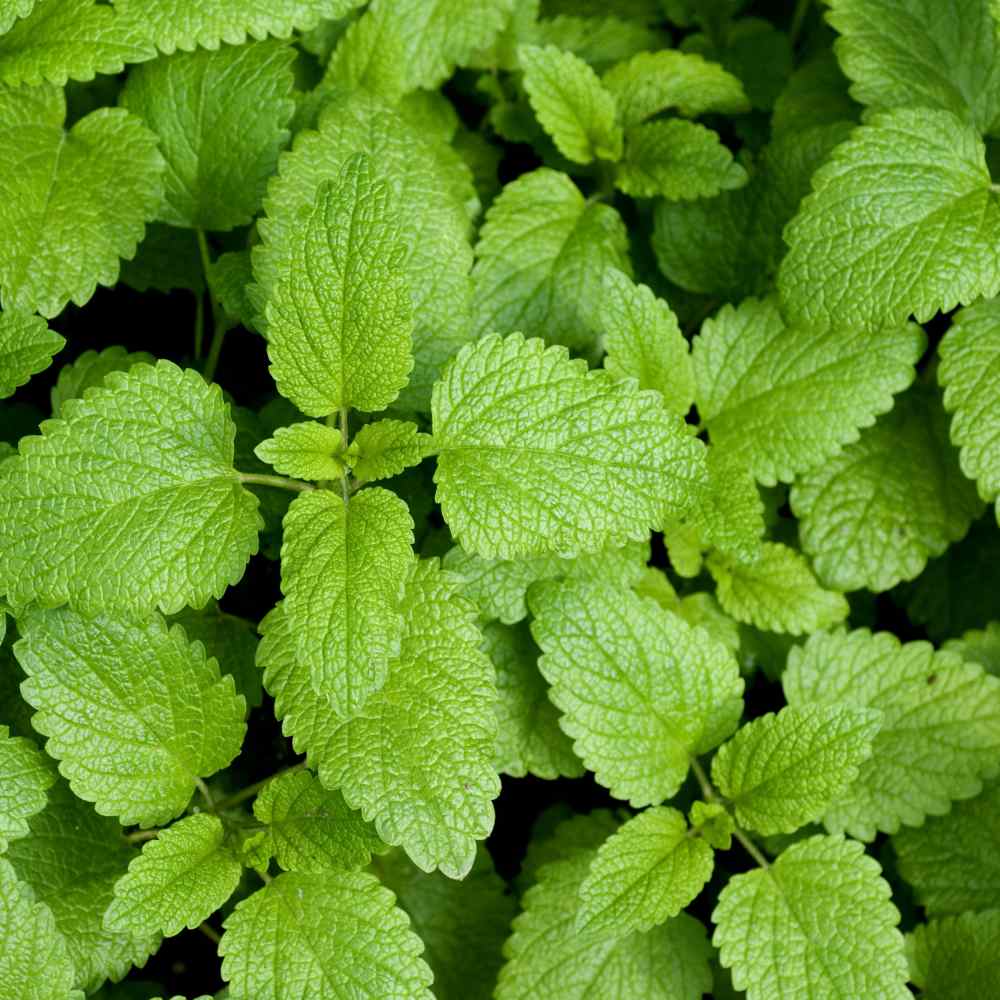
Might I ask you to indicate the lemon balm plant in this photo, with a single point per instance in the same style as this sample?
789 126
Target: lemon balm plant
632 428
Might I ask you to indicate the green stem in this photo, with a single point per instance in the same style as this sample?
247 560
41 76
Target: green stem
210 932
751 848
205 794
707 791
345 486
141 836
220 325
281 482
798 20
199 326
245 793
265 878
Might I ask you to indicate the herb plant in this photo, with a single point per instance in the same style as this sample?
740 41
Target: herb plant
632 424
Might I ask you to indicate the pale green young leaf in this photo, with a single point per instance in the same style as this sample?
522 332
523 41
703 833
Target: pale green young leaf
643 340
677 160
951 861
531 445
956 958
777 592
307 450
541 259
71 202
571 104
134 713
89 369
26 774
896 226
343 567
818 923
529 740
385 448
785 399
970 364
27 346
783 770
940 731
311 829
338 934
130 501
939 54
874 514
221 120
640 690
712 821
643 875
980 646
369 56
180 879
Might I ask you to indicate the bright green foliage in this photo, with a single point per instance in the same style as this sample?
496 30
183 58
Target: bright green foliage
817 923
89 370
71 202
590 437
335 934
777 592
11 10
342 567
640 690
970 363
897 226
541 258
311 829
25 777
873 515
26 348
921 53
385 448
785 399
307 450
597 38
951 861
180 879
230 274
133 712
980 646
957 958
782 771
130 501
572 105
939 734
713 822
220 117
644 342
644 874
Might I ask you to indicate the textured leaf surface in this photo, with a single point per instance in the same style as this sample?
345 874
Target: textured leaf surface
11 10
130 502
343 567
26 348
25 777
940 731
897 225
783 770
818 923
979 646
338 934
784 399
305 450
220 117
133 713
167 259
89 370
873 515
641 691
385 448
537 455
957 958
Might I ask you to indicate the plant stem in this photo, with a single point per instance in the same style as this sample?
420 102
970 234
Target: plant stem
344 440
140 836
751 848
210 932
707 791
220 324
264 877
199 326
798 20
245 793
280 482
205 794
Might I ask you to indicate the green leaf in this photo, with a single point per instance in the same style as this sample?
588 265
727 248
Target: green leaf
940 731
71 202
167 259
27 346
777 592
957 958
873 515
308 450
89 369
530 446
129 502
677 160
904 53
571 104
529 740
11 10
230 274
417 760
970 362
598 39
180 879
311 829
783 770
651 82
895 226
643 875
640 690
541 259
133 712
643 341
979 646
784 399
817 923
385 448
221 119
26 774
342 572
335 934
713 822
816 94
